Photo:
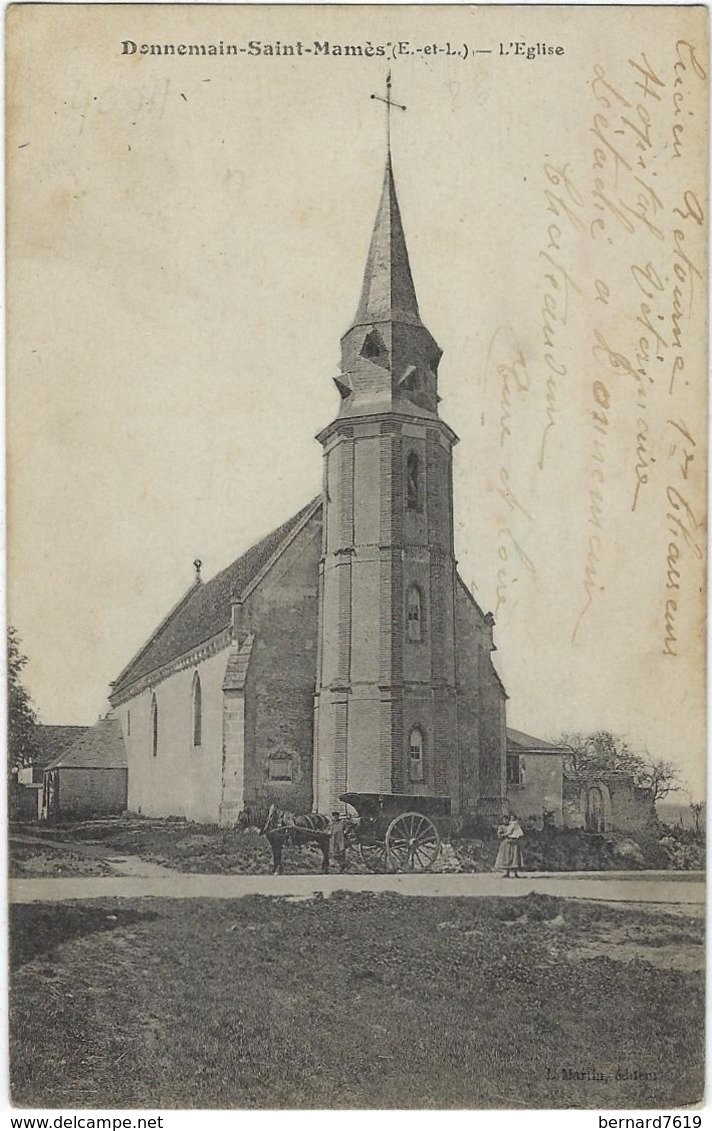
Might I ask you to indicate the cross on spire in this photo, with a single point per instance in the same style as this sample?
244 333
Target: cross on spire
388 103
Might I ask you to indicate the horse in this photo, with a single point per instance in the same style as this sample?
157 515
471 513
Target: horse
282 827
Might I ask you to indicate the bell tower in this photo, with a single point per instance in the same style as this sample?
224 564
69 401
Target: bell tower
386 698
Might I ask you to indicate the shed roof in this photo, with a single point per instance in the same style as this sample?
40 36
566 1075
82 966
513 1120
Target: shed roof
205 610
52 741
100 748
520 743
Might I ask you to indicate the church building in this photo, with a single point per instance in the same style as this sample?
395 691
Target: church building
343 652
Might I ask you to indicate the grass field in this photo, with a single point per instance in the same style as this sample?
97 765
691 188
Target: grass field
47 860
356 1001
176 844
78 848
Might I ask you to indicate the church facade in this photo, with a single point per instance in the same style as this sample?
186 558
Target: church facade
343 652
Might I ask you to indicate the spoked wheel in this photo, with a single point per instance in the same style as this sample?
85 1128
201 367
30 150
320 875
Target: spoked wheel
373 855
412 843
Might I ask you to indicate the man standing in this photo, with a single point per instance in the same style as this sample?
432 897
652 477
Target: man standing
337 839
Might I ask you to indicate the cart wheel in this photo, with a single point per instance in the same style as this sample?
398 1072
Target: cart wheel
412 843
373 855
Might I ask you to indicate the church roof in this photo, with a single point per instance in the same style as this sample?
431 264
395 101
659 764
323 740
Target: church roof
101 747
205 610
388 292
520 743
470 596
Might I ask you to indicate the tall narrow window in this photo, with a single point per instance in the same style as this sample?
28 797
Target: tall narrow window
154 726
515 770
128 724
412 485
197 711
415 614
415 755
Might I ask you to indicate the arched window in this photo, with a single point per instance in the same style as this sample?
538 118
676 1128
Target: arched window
415 613
197 711
154 726
412 483
415 755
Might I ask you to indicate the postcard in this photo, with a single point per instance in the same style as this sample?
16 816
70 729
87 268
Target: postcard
357 535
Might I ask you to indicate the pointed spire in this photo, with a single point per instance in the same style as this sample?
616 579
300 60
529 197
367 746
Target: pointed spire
389 359
388 293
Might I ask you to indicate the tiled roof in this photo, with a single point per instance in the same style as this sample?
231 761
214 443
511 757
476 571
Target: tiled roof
205 610
468 593
519 743
52 741
101 747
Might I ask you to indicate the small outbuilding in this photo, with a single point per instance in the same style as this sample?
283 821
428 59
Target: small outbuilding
535 777
27 783
543 786
90 778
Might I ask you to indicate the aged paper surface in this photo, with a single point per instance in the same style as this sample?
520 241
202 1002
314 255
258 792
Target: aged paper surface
191 194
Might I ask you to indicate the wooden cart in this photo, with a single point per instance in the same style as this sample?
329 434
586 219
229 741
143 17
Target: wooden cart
397 832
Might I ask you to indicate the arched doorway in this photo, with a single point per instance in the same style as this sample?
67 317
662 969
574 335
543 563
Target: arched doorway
595 820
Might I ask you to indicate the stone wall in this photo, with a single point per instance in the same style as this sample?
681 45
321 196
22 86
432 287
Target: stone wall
25 801
470 655
626 807
493 740
273 710
631 807
481 711
279 689
84 792
542 788
182 780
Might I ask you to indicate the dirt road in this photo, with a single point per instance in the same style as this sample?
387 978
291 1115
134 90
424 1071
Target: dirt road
684 891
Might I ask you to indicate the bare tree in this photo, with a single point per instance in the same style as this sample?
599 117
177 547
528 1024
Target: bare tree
659 776
604 751
697 808
600 750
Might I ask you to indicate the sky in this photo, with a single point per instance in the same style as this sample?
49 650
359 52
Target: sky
186 244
